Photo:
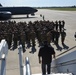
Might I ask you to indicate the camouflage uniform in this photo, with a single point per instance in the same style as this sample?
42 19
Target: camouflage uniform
43 36
28 37
56 25
53 35
9 38
49 37
32 35
63 24
60 26
57 35
22 40
15 39
38 36
63 35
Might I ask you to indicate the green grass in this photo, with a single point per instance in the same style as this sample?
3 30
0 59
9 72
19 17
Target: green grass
64 9
60 8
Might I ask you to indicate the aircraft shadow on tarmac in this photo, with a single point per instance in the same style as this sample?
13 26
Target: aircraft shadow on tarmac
22 17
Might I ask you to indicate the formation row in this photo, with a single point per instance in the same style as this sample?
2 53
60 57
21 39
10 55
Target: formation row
27 33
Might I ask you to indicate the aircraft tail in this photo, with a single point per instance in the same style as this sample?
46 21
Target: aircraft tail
0 5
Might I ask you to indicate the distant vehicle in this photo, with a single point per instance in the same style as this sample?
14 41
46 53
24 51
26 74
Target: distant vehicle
7 12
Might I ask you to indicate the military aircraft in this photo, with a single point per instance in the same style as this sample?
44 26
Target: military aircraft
7 12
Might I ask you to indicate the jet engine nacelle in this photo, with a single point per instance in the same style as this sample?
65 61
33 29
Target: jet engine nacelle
5 15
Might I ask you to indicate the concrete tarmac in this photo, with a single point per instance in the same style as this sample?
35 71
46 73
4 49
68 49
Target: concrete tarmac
12 67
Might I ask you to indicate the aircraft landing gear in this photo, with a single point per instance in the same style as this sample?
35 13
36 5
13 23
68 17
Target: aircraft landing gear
27 16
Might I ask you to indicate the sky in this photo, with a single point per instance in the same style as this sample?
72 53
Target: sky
38 3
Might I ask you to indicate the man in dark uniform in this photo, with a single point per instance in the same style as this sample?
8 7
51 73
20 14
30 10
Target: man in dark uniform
46 53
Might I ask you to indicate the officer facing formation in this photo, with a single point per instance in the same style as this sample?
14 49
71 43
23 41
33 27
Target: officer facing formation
45 58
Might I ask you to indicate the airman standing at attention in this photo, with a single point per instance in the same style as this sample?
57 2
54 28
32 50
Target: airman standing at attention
57 35
56 23
63 24
63 35
15 39
32 36
53 35
60 26
28 37
6 37
22 40
43 35
39 36
9 38
49 37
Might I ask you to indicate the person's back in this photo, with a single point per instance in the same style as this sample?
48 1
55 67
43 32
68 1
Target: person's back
46 53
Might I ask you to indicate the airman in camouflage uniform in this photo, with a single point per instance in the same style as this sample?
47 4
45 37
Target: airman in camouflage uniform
57 35
53 35
15 39
28 37
49 37
32 36
63 24
60 26
43 36
38 35
22 40
63 35
56 23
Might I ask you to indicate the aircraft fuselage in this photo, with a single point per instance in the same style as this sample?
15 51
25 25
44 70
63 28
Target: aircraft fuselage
18 10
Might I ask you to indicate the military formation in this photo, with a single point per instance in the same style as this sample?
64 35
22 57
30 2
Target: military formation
27 33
